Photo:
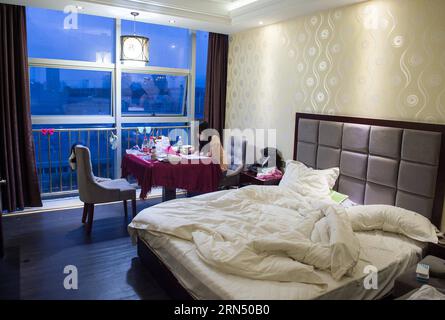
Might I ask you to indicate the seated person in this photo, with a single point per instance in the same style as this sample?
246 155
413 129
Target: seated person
212 149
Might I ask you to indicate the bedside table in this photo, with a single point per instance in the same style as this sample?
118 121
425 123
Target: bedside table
407 282
249 178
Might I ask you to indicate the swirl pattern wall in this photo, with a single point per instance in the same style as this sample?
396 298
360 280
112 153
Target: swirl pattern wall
380 59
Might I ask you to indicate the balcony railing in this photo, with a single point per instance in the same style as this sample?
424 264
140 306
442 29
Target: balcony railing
53 148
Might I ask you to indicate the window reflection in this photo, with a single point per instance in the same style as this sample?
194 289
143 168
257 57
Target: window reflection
57 91
153 94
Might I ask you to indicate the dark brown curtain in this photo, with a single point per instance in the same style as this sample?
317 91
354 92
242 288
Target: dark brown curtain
17 161
216 83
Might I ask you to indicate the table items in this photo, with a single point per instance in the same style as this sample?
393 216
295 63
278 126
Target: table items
269 173
409 280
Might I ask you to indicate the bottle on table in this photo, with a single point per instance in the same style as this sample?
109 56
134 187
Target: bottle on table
145 145
179 143
154 155
151 144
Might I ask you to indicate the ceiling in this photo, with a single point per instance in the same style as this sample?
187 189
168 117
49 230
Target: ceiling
223 16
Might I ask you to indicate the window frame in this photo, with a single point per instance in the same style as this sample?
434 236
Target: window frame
116 69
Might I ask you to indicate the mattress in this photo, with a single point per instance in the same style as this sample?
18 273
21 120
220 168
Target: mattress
390 253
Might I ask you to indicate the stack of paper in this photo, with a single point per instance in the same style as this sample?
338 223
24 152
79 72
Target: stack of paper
423 272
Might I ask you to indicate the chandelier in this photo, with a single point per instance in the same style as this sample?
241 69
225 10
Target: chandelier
133 47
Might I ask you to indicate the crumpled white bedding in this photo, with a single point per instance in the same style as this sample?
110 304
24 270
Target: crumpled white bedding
427 292
390 253
265 233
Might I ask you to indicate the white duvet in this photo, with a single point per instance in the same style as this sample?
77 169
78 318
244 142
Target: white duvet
273 232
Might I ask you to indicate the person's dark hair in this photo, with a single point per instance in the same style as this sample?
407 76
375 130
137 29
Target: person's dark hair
202 126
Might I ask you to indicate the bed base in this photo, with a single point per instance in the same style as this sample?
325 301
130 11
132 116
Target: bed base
164 277
167 280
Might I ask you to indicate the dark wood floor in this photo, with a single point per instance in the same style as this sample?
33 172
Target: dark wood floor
40 245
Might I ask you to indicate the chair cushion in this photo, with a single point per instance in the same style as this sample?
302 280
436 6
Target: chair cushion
99 179
234 170
127 191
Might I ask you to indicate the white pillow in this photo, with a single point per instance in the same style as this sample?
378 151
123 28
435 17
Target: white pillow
392 219
308 181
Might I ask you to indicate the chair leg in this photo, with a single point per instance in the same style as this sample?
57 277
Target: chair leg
90 217
125 208
133 207
85 212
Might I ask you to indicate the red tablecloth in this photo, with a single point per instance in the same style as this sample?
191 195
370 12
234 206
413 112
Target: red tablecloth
193 177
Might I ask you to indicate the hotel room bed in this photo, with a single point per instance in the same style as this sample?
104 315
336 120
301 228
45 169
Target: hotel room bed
391 254
378 166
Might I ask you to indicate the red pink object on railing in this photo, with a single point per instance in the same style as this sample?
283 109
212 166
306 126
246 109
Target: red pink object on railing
49 131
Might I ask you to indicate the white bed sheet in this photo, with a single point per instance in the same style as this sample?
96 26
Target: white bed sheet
392 254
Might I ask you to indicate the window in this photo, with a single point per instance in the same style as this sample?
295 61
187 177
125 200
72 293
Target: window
153 94
72 74
168 46
202 43
50 37
57 91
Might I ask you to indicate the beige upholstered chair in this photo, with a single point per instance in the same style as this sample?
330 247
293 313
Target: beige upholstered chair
93 190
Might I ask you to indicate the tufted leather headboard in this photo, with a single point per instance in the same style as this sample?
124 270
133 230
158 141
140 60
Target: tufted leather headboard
380 161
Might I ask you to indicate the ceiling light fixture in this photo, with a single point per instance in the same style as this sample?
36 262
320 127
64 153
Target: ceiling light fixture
134 48
261 23
172 21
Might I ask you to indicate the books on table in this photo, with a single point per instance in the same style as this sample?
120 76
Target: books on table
423 272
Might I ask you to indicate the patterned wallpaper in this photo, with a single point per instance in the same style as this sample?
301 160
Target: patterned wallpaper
381 59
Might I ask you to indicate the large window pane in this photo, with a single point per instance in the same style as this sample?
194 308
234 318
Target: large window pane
168 46
70 92
153 94
53 35
202 44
